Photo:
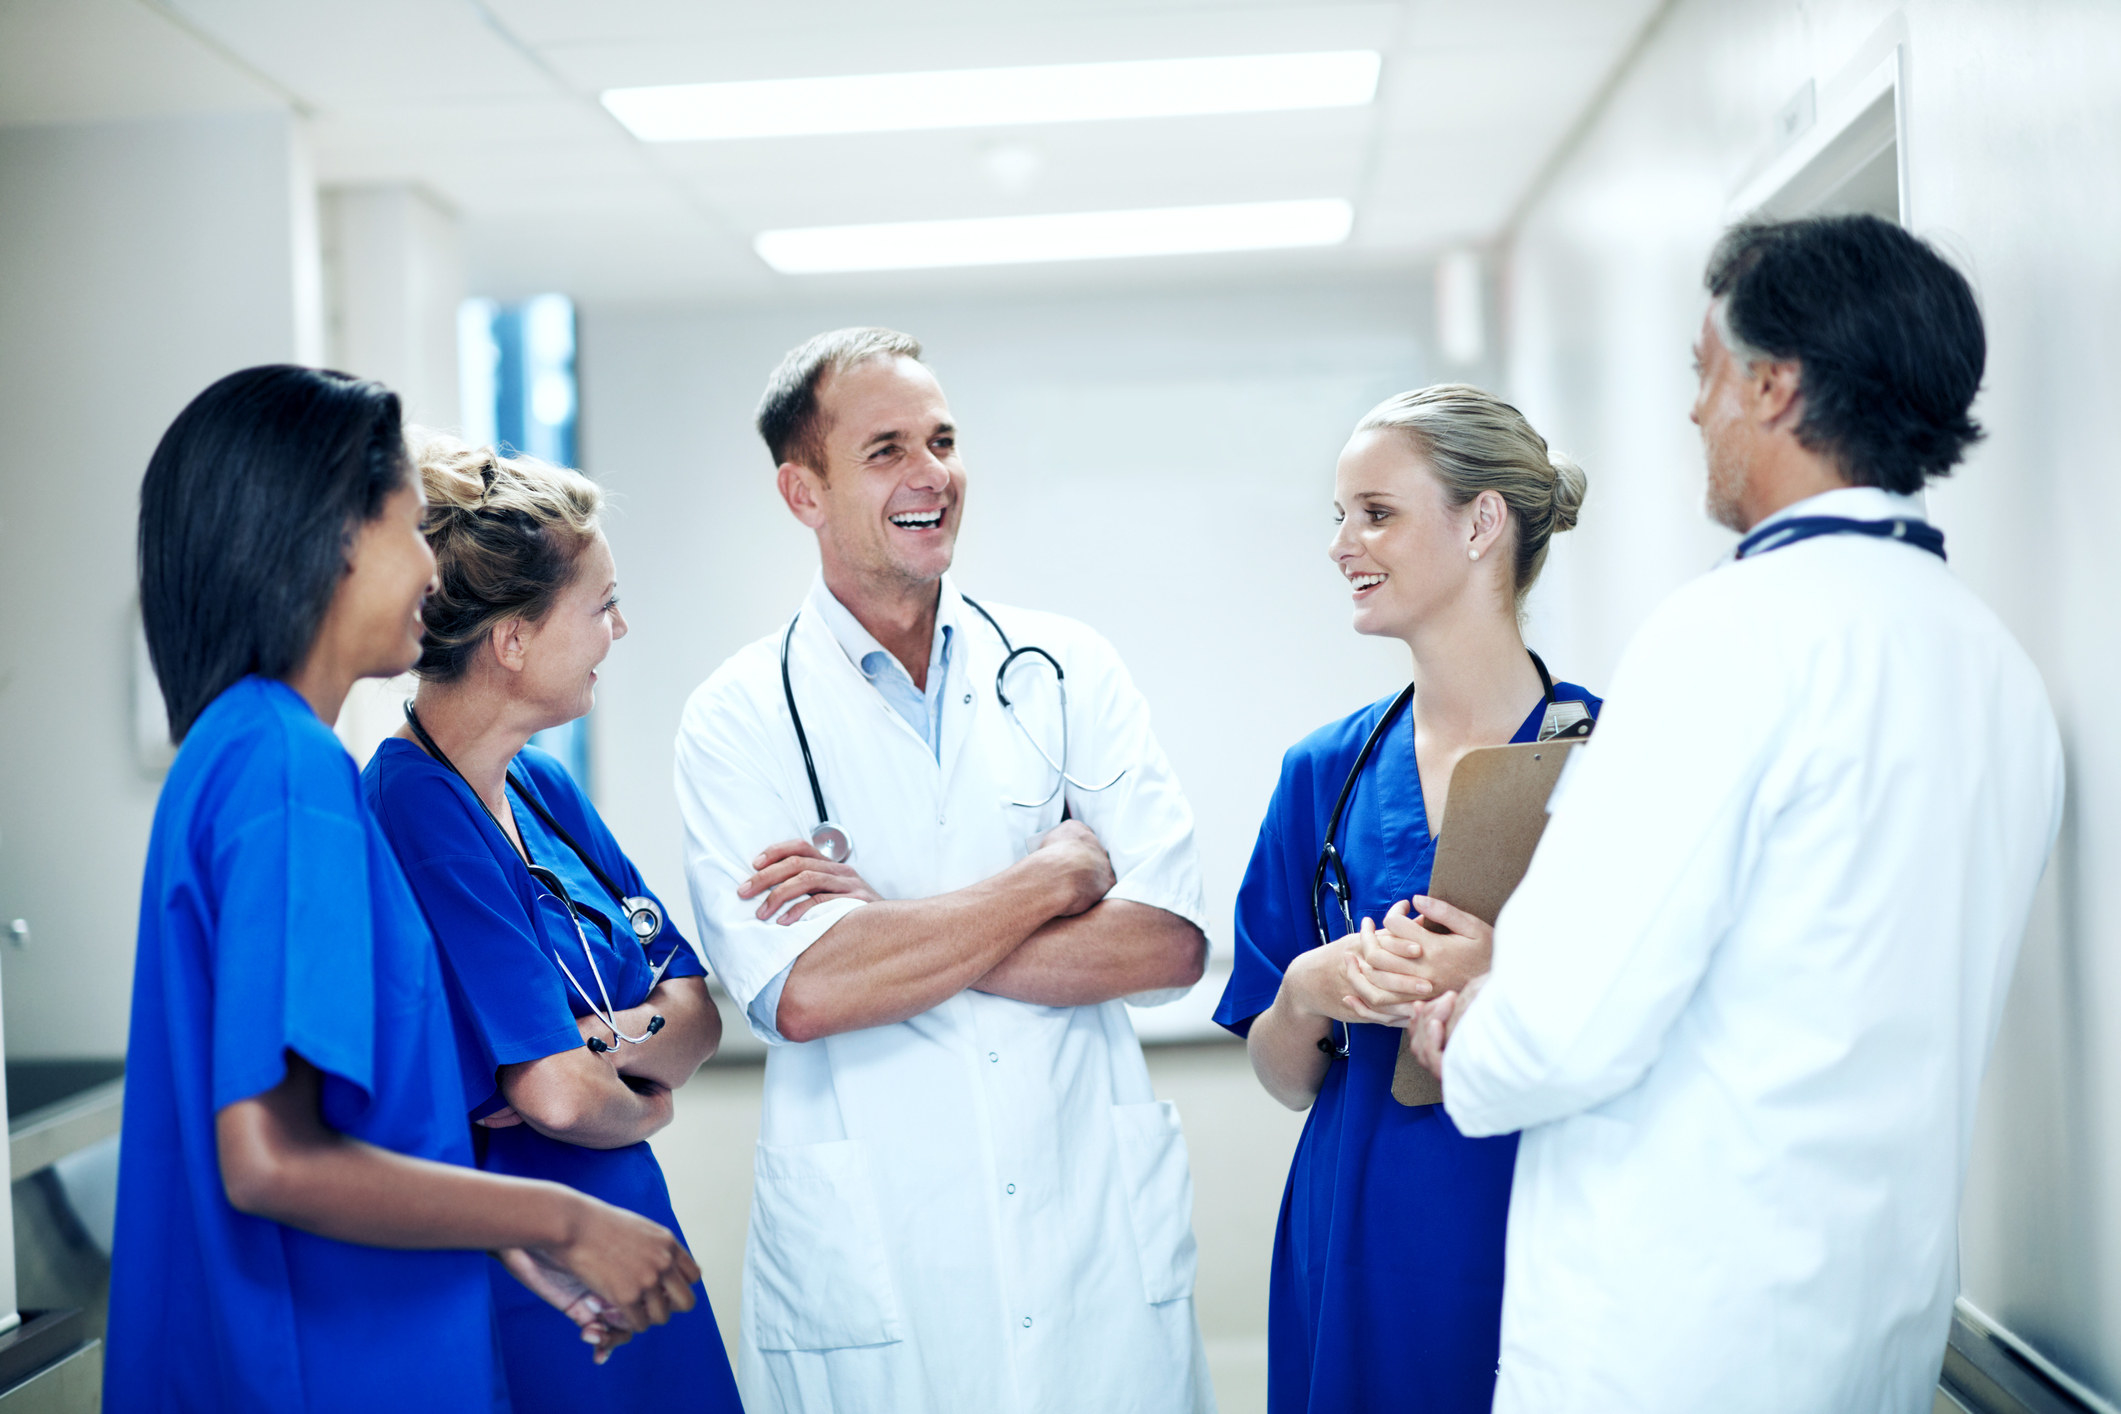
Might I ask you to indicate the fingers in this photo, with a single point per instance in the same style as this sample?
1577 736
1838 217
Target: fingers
1457 920
789 853
811 882
1385 952
1387 985
678 1292
784 850
782 870
1403 932
501 1118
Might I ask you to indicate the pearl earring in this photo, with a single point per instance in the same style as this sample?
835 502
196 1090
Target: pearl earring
1472 554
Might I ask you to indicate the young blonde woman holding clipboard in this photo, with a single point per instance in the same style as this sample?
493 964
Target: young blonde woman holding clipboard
1446 500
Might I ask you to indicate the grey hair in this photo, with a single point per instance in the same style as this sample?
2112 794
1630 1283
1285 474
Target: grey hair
789 417
1745 355
1475 442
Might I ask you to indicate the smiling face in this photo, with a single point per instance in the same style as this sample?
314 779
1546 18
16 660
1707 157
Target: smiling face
561 651
373 625
1405 550
887 506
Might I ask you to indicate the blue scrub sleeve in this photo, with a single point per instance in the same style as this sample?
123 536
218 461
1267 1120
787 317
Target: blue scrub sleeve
293 954
1273 926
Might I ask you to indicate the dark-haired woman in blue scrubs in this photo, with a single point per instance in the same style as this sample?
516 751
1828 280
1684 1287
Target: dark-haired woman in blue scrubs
580 1005
299 1224
1388 1256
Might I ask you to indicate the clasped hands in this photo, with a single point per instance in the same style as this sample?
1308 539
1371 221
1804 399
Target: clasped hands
1418 971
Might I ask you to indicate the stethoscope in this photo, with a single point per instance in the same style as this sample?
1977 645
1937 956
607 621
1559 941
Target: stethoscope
831 839
1556 723
643 915
1783 533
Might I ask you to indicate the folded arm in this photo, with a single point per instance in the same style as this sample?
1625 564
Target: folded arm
894 959
1116 949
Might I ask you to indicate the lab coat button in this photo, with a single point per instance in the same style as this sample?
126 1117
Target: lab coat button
1012 1188
993 1057
1027 1323
968 699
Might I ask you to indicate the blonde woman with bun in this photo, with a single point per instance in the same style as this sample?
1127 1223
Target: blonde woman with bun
578 1009
1388 1258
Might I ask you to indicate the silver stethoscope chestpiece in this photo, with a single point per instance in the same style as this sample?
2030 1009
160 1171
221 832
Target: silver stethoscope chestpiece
832 842
643 917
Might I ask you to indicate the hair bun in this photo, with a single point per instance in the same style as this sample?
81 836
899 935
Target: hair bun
455 475
1570 483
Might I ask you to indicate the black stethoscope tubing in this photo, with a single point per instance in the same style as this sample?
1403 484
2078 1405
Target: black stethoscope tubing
1329 854
644 918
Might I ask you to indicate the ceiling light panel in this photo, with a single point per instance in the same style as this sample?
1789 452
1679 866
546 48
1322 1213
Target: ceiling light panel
1084 235
965 98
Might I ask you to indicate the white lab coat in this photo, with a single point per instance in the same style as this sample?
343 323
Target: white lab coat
1742 1001
984 1208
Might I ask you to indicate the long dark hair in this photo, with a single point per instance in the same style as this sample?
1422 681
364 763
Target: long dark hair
246 517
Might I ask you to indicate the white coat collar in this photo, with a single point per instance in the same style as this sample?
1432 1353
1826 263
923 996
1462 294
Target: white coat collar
1853 503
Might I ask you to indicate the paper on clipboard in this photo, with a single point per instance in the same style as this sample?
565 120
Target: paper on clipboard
1496 812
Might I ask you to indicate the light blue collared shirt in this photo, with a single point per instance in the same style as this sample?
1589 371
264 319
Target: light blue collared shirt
922 711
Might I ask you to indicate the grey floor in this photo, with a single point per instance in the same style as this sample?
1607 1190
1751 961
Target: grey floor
1240 1143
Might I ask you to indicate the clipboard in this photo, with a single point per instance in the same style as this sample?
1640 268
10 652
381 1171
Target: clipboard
1495 814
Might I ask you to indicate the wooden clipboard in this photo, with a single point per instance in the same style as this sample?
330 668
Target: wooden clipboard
1495 814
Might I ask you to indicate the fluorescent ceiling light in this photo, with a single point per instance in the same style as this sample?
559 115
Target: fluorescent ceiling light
968 98
1087 235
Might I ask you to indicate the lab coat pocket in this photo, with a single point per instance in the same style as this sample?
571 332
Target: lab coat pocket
818 1275
1159 1190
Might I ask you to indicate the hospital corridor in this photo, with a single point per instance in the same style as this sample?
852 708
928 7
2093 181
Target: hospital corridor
1060 706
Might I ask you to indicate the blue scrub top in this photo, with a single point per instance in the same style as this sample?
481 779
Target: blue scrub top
503 939
1387 1282
273 918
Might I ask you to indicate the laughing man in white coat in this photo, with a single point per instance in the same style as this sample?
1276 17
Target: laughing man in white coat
967 1197
1741 1004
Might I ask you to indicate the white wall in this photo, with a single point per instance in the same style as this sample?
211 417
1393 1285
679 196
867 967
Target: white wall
2014 152
138 263
393 267
1160 467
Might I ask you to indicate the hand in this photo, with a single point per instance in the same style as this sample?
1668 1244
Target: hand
1319 982
794 870
565 1293
1086 870
1447 946
1434 1022
636 1268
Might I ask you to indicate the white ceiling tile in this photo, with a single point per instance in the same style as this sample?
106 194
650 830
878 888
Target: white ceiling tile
917 43
339 54
1074 167
96 60
544 22
1509 24
1472 92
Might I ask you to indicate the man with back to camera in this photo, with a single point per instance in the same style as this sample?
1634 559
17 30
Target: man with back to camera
967 1197
1822 793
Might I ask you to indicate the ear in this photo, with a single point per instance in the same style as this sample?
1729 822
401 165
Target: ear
509 641
1488 522
800 487
1776 391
